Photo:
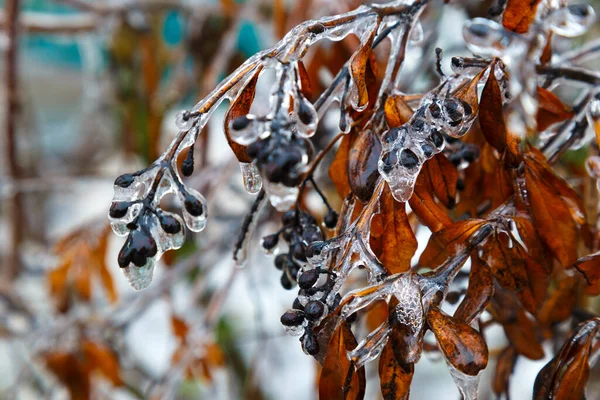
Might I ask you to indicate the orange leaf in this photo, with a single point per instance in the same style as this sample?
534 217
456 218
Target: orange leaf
71 373
504 369
463 346
442 176
338 171
479 292
395 242
337 368
394 378
551 110
491 115
358 69
449 241
102 360
362 164
180 328
396 111
426 209
589 266
519 14
305 85
239 107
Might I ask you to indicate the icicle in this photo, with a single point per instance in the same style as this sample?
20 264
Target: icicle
468 385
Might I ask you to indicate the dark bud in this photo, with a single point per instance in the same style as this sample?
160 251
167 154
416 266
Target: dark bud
187 168
408 158
292 318
434 109
314 310
437 138
286 282
118 209
125 180
389 160
453 112
331 219
138 247
289 217
240 123
299 252
297 305
311 233
470 153
310 343
304 113
269 242
289 234
455 158
169 223
256 149
308 278
193 205
428 149
281 261
293 270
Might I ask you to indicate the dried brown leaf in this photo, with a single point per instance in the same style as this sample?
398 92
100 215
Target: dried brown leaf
394 378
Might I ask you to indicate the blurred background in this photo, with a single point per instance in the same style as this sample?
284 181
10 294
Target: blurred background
89 90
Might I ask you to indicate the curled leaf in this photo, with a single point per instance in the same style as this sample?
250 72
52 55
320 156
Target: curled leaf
362 164
394 377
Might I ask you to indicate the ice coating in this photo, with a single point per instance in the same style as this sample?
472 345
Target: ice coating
409 310
467 385
251 177
573 20
370 347
281 197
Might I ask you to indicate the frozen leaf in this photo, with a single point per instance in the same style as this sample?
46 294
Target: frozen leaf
362 164
479 292
442 177
463 346
449 241
491 116
338 171
519 14
504 369
180 328
71 373
394 378
339 380
551 110
358 68
305 85
102 360
589 266
392 238
397 112
566 376
239 108
561 302
426 209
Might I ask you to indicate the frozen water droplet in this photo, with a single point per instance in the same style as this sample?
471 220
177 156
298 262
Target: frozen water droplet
295 331
468 385
140 277
306 116
416 35
194 210
251 177
183 121
573 20
244 132
281 197
486 37
119 225
168 231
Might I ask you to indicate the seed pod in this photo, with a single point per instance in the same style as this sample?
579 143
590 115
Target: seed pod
240 123
285 282
310 343
281 261
193 205
118 209
269 242
314 310
169 224
331 219
125 180
437 138
408 158
187 168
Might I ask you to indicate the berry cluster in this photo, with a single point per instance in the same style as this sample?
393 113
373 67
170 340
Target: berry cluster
299 230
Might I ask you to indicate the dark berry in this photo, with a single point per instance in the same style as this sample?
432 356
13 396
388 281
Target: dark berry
468 110
240 123
311 233
281 261
292 318
310 343
288 217
305 113
308 278
408 158
138 247
331 219
453 112
187 167
297 305
428 149
389 160
256 149
299 252
169 223
118 209
269 242
314 310
193 205
292 180
285 282
419 124
579 10
125 180
434 110
293 270
437 138
470 153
